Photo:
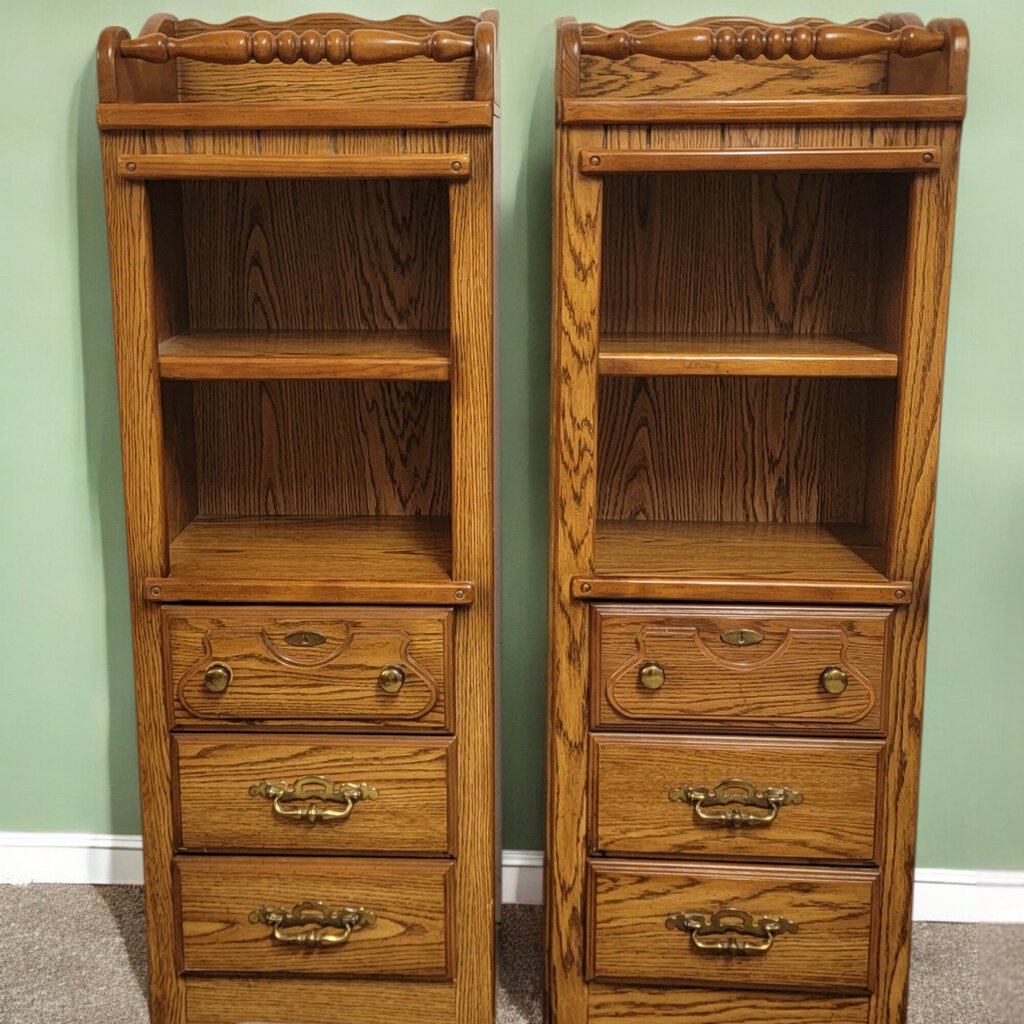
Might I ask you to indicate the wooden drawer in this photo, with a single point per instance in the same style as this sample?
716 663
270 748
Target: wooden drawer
407 937
633 906
395 793
641 804
613 1004
318 1001
316 667
771 683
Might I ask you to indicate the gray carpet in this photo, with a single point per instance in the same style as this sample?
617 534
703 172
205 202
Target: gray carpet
76 955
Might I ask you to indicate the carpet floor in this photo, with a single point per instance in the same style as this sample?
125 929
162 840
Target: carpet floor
77 955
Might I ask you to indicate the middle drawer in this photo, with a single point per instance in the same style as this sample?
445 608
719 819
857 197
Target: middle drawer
727 797
324 794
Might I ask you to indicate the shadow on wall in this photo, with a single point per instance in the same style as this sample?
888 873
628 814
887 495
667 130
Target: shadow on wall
103 451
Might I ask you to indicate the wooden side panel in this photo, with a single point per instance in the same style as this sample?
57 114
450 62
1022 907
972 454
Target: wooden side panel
408 810
140 317
409 936
473 556
322 448
573 498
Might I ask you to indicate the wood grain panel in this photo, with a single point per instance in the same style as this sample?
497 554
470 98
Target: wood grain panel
313 1001
380 258
615 1003
632 776
732 449
322 448
630 901
771 685
410 899
218 811
334 683
764 253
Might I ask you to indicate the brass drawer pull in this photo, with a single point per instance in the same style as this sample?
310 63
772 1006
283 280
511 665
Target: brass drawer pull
217 678
736 791
717 934
652 675
315 923
314 787
391 678
833 679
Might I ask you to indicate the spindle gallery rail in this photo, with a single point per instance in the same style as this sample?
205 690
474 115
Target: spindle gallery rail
360 46
727 38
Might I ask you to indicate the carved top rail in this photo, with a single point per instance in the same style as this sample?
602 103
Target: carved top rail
360 46
748 38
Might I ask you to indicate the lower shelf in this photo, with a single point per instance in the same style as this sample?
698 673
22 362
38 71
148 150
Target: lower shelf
645 560
375 560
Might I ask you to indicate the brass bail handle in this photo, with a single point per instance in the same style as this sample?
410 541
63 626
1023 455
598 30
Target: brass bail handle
317 789
736 791
731 931
312 923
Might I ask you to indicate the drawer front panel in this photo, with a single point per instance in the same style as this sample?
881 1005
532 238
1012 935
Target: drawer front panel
638 910
613 1004
406 937
314 795
366 668
315 1001
673 665
685 796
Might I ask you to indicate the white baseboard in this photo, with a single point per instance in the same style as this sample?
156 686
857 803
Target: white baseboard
85 858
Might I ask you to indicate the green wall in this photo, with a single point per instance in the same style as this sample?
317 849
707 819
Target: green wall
66 732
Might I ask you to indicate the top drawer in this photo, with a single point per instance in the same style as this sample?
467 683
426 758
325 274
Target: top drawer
747 668
362 668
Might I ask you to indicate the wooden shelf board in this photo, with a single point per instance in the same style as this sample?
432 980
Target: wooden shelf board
385 559
754 355
645 560
306 355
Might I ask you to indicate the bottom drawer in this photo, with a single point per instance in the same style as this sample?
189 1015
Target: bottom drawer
612 1004
292 915
655 923
314 1001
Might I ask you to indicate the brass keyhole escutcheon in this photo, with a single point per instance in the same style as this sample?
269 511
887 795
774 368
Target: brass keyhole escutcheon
652 675
391 678
833 679
217 678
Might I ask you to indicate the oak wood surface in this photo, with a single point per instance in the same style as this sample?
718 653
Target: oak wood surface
143 167
410 899
306 355
413 779
774 684
638 1005
285 1000
874 158
632 814
335 682
630 901
643 354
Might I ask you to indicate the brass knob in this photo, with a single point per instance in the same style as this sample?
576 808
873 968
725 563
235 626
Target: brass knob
652 675
391 678
217 678
833 679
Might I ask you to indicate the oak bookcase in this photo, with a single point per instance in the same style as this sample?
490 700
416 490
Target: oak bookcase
300 219
753 226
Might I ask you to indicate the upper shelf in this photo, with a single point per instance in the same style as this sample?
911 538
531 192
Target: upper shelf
306 355
636 355
892 68
315 71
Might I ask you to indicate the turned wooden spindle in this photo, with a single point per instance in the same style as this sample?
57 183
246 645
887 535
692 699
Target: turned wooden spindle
798 41
236 46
